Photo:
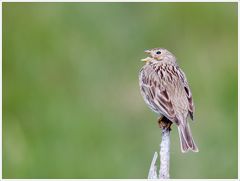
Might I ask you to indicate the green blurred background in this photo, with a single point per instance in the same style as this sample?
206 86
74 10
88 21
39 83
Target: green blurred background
71 101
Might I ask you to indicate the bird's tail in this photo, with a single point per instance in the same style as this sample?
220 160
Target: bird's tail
186 139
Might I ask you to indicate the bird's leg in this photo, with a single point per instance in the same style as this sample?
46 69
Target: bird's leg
164 123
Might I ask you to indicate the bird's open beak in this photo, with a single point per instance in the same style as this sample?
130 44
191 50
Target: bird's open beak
148 58
147 51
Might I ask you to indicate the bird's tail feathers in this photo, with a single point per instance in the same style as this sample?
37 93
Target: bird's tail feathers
186 139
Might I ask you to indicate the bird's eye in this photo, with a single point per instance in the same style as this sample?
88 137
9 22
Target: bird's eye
158 52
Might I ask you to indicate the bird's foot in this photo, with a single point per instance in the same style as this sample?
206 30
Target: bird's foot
164 123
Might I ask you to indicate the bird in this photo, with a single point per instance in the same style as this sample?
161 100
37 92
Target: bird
166 91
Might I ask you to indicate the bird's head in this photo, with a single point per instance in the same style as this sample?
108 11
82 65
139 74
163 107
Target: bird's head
158 54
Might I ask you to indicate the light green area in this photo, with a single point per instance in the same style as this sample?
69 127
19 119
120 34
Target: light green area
71 101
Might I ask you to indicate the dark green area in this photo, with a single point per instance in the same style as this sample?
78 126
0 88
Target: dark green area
71 101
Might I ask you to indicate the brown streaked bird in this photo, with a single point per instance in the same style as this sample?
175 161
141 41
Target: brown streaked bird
165 89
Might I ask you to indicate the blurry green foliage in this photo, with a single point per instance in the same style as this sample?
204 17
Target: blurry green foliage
71 101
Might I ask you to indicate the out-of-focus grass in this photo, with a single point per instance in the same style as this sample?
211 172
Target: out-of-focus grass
71 101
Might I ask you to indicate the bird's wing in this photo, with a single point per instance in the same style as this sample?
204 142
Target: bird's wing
154 92
188 92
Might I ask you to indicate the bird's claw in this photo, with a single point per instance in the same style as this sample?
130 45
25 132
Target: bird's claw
164 123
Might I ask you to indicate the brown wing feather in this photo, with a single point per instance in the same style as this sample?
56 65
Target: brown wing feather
191 108
155 93
153 83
